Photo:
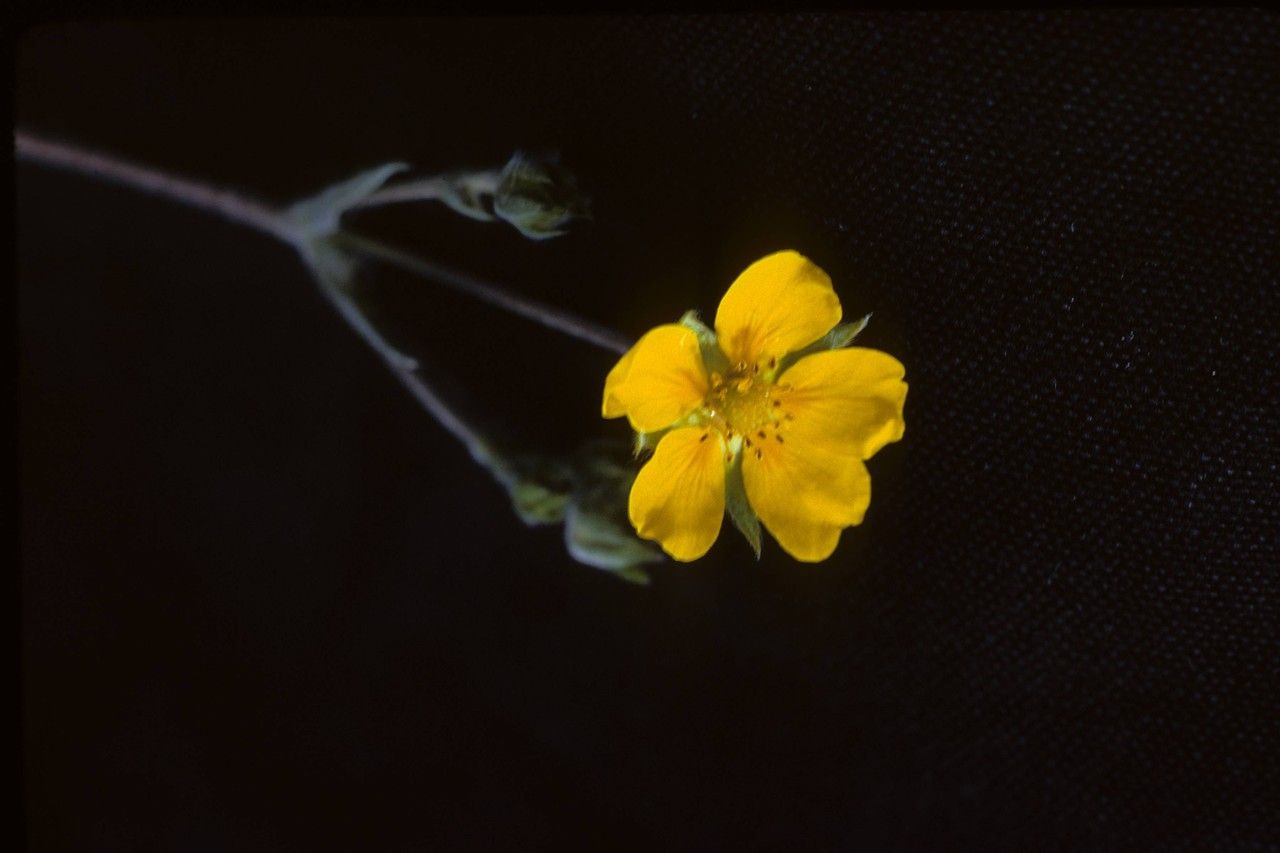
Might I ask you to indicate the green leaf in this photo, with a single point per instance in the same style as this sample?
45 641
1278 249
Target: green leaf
740 512
639 577
708 344
597 531
319 215
539 487
536 504
598 540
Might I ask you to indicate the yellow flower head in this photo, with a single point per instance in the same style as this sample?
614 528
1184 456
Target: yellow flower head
793 432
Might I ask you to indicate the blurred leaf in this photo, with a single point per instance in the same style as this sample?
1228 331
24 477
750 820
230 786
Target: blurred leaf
539 487
319 215
596 540
587 491
597 530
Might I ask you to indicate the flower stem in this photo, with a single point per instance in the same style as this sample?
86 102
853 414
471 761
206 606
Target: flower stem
271 221
237 208
405 369
552 318
429 189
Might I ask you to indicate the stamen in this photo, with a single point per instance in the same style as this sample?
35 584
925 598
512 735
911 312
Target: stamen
779 437
758 454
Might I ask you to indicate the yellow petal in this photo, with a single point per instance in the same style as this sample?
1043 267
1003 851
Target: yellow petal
852 395
678 497
659 381
806 492
779 304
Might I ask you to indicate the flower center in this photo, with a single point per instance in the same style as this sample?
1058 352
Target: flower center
746 408
742 401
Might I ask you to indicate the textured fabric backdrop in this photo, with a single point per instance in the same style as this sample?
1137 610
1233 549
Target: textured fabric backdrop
269 604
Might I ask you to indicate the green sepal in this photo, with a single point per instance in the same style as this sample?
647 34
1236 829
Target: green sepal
647 442
470 194
843 335
739 508
839 337
708 344
320 214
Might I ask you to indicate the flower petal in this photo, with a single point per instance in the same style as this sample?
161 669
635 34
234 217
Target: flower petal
854 395
777 305
678 496
806 492
659 380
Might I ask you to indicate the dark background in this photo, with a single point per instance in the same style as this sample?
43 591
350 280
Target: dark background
269 604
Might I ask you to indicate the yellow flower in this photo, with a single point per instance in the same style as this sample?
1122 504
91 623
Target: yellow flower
737 413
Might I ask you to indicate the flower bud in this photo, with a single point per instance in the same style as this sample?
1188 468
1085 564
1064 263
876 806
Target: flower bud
539 198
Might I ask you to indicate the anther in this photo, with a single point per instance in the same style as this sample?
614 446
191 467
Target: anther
704 436
758 454
761 433
779 437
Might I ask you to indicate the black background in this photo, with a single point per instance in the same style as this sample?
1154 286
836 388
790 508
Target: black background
269 604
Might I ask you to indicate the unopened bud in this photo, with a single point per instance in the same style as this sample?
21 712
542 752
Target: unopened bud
539 198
